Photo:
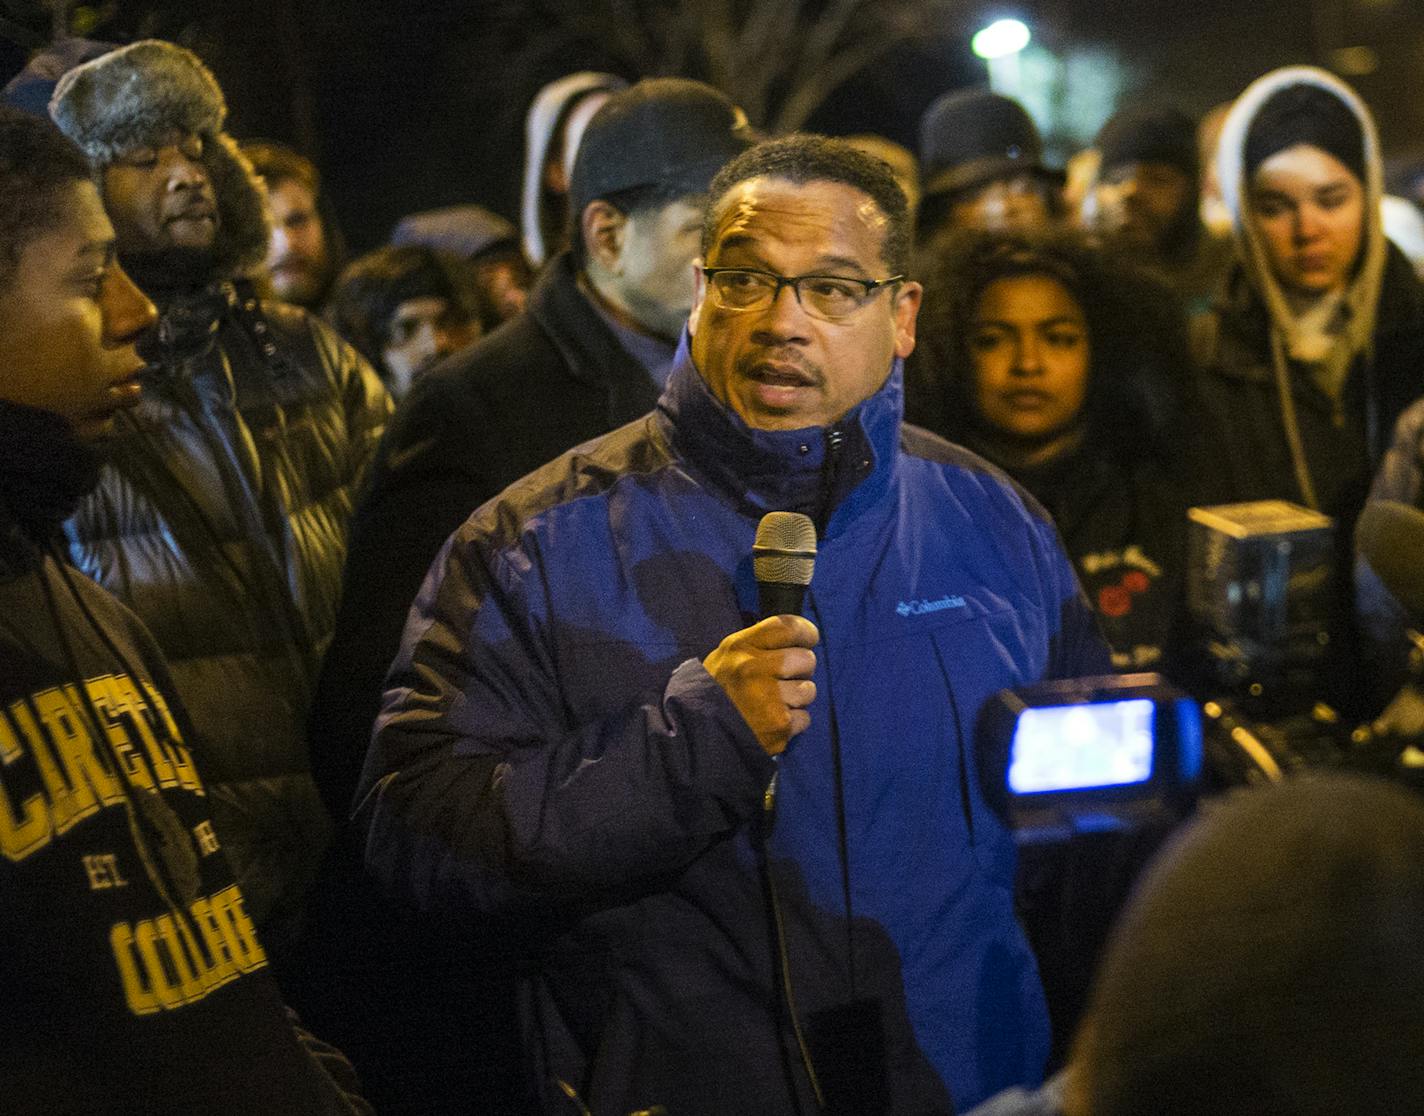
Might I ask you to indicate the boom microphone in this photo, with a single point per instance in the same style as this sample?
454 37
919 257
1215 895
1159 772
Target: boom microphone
1390 536
783 558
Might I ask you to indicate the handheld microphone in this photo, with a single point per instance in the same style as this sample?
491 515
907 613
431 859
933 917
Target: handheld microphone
783 558
1390 536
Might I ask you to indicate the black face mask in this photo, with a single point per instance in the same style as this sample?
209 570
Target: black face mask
44 469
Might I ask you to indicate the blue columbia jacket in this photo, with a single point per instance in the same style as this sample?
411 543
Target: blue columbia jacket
552 751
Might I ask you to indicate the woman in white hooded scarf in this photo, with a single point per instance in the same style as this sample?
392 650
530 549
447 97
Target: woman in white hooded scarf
1317 344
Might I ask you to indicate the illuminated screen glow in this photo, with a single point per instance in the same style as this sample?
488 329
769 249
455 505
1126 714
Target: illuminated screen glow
1077 747
1000 39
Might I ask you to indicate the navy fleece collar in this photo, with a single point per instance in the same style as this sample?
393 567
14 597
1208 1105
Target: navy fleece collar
829 473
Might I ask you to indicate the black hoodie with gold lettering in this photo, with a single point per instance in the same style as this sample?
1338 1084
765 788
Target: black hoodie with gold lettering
133 977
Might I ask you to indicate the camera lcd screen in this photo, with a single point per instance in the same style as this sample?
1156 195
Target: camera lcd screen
1077 747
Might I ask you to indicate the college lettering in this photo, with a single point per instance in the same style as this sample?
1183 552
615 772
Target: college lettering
164 965
78 776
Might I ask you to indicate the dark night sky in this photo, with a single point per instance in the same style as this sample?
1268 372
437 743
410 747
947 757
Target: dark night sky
418 104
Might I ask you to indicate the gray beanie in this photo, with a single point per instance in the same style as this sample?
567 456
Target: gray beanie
134 97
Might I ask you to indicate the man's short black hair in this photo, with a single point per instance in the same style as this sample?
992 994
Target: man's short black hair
802 159
36 163
1267 962
632 202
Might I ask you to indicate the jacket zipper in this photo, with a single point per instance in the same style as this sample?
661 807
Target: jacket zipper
835 442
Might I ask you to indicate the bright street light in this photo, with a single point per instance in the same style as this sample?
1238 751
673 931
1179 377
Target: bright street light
1000 39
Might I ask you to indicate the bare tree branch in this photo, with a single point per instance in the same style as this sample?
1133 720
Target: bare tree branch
824 34
808 96
716 30
768 42
799 51
678 39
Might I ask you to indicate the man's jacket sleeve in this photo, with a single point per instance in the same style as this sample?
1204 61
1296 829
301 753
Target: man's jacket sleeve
365 405
366 402
484 792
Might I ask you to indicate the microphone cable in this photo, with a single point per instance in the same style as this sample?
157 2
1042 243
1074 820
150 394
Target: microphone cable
783 958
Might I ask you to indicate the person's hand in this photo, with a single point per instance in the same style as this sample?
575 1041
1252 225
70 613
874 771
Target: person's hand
766 670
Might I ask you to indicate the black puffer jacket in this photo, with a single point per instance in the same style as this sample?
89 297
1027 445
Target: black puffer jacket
220 518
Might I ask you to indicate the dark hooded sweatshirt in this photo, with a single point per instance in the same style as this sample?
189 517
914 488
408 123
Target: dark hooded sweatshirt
134 979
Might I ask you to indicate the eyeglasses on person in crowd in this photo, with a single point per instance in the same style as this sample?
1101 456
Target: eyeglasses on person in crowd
828 297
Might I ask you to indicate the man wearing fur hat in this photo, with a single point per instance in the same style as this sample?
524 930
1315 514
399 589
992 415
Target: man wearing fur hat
221 513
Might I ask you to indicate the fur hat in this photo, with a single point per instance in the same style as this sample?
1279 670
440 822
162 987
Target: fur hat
134 97
139 95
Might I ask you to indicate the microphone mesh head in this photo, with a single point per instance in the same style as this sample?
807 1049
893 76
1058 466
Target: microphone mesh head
785 548
1390 536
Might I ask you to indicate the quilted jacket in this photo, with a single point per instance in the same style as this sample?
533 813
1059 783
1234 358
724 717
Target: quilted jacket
220 518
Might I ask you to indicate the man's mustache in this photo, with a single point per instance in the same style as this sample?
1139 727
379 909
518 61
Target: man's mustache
785 362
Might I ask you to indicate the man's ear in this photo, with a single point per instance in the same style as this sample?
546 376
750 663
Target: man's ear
604 230
907 309
699 292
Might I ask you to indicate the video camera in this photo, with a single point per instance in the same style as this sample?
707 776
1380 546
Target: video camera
1263 587
1089 755
1066 758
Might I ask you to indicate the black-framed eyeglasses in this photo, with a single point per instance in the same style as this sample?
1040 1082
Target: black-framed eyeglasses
829 297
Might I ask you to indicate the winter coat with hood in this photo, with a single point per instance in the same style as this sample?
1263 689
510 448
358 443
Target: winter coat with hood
555 110
552 749
1313 430
134 978
221 511
1308 431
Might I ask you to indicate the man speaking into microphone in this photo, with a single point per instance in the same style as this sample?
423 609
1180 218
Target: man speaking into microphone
578 734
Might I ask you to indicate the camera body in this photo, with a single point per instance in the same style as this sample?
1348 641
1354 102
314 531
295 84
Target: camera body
1089 754
1262 589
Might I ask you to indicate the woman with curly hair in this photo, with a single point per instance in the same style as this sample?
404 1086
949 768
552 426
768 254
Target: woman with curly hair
1071 373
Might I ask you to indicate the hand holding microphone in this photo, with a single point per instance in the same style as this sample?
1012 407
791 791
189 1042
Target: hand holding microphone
766 669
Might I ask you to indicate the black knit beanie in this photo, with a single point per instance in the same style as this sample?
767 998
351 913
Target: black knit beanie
1305 114
1149 135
